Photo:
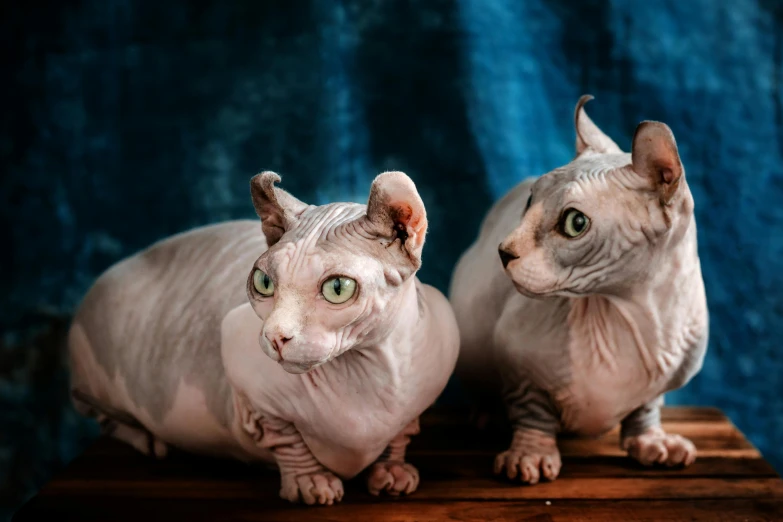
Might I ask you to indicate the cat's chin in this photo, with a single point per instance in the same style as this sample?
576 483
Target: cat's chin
550 294
528 293
297 368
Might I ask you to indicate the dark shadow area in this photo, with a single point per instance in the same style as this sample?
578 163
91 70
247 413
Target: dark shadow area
40 429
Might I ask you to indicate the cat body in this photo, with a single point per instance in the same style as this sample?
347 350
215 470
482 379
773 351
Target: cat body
581 333
305 341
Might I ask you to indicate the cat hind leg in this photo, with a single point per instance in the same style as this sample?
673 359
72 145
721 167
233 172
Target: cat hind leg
120 425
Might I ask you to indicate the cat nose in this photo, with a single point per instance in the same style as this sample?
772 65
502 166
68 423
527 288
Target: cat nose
277 342
505 256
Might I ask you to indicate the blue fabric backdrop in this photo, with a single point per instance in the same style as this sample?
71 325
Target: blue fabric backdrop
126 121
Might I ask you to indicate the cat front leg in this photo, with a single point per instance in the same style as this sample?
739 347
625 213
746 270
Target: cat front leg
644 439
533 453
302 477
390 473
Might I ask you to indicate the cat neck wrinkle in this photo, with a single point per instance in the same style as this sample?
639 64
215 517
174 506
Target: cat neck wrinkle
386 359
612 328
388 348
652 316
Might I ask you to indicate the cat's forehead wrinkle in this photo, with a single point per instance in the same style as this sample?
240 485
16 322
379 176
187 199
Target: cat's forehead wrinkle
295 266
582 177
605 160
596 167
360 238
316 223
301 248
287 258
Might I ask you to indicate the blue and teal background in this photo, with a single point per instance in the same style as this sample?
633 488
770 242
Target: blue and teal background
127 121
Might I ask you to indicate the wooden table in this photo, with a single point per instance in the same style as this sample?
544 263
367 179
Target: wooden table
729 481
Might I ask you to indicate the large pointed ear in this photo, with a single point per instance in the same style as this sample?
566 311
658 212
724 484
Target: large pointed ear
655 157
588 135
396 212
277 209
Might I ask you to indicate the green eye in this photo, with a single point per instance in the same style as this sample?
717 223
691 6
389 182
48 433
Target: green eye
338 290
263 283
574 223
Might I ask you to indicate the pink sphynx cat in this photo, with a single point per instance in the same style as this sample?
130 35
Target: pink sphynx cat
324 371
596 306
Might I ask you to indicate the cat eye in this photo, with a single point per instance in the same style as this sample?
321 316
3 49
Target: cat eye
338 290
263 283
574 223
529 202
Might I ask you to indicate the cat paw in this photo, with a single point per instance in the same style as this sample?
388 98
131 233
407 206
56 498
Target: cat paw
655 446
529 464
393 477
321 487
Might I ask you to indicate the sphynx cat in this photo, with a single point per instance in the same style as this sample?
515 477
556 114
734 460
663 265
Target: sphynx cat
304 341
594 307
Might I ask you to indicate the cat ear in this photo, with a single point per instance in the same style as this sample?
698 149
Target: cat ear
277 209
655 157
396 212
588 135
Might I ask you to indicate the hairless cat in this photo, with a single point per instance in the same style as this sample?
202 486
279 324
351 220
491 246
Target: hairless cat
324 371
594 307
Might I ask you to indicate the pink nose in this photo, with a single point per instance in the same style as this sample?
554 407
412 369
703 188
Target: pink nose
277 342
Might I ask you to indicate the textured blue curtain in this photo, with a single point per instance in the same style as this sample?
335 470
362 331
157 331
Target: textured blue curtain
127 121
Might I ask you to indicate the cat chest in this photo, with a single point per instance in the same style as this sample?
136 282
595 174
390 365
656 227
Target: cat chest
350 434
600 393
594 407
591 391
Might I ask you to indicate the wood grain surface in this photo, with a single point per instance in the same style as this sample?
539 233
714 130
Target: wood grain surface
729 481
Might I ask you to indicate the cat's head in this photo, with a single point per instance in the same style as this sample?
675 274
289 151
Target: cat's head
333 276
604 221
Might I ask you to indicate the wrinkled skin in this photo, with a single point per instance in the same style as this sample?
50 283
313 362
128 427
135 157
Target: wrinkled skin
586 323
177 346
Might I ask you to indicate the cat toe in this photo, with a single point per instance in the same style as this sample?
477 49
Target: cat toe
657 447
528 467
395 478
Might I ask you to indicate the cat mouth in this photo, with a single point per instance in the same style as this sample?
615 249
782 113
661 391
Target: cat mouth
290 365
